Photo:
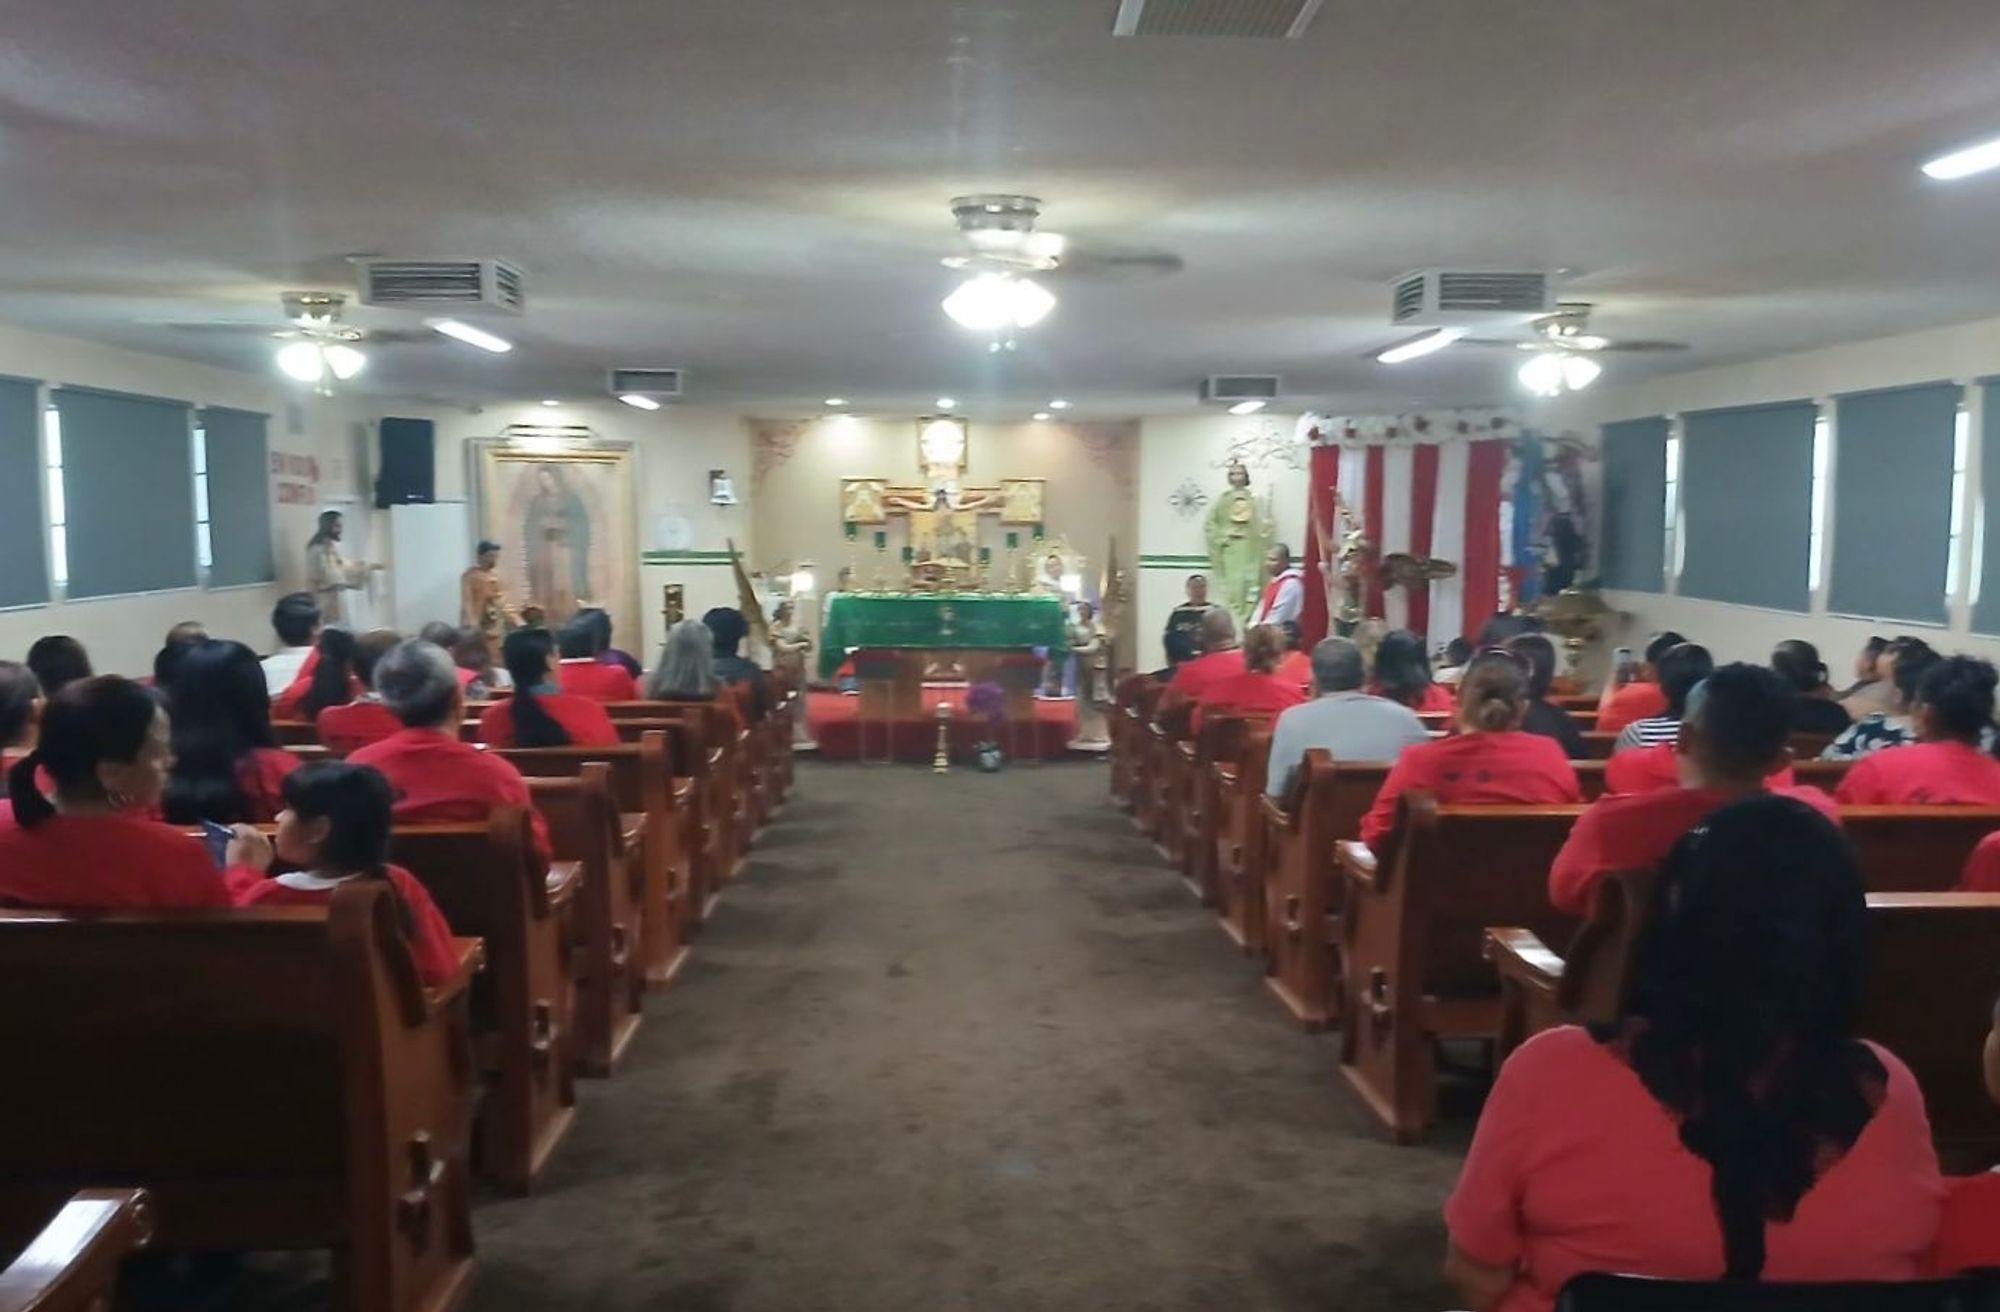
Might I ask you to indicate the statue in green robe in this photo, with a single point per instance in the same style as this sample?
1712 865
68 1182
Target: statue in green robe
1239 534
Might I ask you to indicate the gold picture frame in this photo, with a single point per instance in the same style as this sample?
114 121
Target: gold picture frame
1022 500
864 500
567 523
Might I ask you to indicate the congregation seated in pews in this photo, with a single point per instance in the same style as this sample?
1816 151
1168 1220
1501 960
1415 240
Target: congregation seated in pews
403 958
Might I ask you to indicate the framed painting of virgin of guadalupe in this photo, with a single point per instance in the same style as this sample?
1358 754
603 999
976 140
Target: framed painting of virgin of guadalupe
567 529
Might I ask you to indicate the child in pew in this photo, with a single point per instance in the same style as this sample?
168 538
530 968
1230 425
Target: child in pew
335 827
1969 1230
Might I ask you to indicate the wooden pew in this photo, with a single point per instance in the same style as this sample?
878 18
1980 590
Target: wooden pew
295 733
1597 744
1412 934
643 784
1823 775
701 743
1169 772
1241 853
1915 849
1928 1001
273 1078
1120 727
485 880
72 1265
586 826
1141 789
1220 742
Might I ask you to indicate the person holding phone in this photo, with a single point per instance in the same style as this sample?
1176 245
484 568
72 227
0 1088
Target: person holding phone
1633 692
93 845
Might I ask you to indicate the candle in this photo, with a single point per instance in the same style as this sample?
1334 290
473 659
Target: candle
881 539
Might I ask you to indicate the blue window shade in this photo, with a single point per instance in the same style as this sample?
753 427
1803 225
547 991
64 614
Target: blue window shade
239 498
1746 505
1635 505
1986 606
25 581
1892 502
128 490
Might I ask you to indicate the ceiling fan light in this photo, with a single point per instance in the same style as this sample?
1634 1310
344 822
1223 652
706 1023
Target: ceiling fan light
345 361
302 361
1032 302
1543 375
981 303
1579 371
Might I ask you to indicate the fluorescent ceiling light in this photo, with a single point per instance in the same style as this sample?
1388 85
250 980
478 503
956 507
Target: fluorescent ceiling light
947 403
471 336
1965 163
1042 416
550 401
1419 347
639 401
1246 407
1058 404
836 401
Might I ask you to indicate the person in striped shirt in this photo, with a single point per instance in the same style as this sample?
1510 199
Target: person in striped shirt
1680 669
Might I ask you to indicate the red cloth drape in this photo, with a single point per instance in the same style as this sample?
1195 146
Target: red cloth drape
1321 478
1423 497
1486 462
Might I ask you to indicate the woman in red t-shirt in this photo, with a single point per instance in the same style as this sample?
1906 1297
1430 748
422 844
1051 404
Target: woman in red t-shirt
347 728
539 714
1729 1124
93 846
1259 689
1403 674
20 712
332 680
1946 765
335 827
227 762
1489 760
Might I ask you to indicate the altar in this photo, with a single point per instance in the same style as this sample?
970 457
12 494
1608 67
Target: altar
966 621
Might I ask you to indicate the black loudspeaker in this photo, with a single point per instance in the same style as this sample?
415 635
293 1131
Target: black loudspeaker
408 467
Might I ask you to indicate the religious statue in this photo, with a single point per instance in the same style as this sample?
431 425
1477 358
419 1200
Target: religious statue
1239 534
1092 649
557 534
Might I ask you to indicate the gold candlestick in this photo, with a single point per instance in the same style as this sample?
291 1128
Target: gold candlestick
941 763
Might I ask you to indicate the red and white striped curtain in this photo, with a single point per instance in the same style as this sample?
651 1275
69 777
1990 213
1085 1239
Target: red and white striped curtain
1428 485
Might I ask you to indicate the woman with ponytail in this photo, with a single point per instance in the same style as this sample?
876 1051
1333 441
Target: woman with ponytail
540 714
335 827
1489 759
1948 763
1728 1124
333 681
90 844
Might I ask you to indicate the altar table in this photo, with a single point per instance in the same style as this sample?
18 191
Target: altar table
941 621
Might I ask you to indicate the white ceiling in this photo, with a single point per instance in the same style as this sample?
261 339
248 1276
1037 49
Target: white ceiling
755 190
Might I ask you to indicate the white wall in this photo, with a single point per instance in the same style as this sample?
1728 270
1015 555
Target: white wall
1962 353
1196 450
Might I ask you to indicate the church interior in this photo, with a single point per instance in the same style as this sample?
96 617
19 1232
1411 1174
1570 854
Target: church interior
1142 655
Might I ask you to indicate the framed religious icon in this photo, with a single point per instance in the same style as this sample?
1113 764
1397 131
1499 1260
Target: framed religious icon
1021 500
567 527
864 500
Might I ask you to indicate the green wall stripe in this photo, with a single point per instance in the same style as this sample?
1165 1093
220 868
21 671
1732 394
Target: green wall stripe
685 558
1169 561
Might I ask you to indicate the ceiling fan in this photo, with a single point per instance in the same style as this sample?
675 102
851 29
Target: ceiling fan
319 348
1568 329
1560 348
1004 254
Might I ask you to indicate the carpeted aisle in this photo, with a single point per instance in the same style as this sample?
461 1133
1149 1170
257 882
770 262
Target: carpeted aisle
964 1043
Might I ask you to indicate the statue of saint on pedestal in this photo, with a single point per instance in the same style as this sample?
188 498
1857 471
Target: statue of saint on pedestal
1239 534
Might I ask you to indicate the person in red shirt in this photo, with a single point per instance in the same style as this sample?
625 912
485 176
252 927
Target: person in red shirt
1221 658
1257 688
1732 745
1296 666
1729 1123
583 675
106 749
1639 700
20 712
1403 675
335 827
332 681
1945 766
227 762
438 779
345 729
1969 1230
538 715
1489 760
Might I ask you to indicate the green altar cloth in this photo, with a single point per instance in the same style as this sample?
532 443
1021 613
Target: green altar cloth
969 621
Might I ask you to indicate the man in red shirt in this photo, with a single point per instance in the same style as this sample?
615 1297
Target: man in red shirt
437 778
580 672
1733 738
1641 700
1221 658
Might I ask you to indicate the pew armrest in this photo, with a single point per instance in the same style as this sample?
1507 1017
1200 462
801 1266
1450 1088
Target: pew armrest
1519 955
74 1261
471 960
1275 815
1357 864
565 878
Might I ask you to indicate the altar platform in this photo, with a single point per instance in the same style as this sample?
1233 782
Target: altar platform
834 721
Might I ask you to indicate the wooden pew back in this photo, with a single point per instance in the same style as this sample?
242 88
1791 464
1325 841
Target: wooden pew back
1915 849
585 826
73 1264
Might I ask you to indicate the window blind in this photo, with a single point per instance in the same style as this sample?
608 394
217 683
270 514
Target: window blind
1746 505
128 489
1986 601
239 498
1633 555
25 580
1892 502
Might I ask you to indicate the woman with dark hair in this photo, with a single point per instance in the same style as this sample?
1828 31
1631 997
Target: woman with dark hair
347 728
581 669
1947 764
598 620
1736 1127
227 764
1259 689
90 844
1815 710
1489 759
335 827
1904 664
333 681
1679 669
20 712
473 660
540 714
58 661
1403 674
1633 691
1538 654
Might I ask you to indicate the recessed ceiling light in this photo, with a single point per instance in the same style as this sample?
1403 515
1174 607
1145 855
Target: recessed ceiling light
1058 404
639 401
1965 163
1246 407
947 403
550 400
1042 416
836 401
1416 348
471 336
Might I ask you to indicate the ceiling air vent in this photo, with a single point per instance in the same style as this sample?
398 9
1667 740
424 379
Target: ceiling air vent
492 284
1272 20
1454 298
665 383
1240 387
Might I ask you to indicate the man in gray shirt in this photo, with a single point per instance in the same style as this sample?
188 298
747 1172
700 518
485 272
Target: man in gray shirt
1342 719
